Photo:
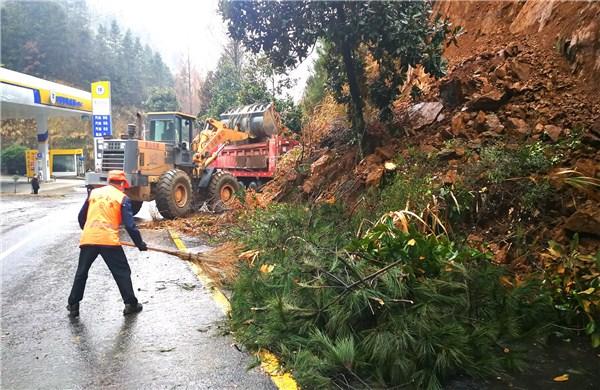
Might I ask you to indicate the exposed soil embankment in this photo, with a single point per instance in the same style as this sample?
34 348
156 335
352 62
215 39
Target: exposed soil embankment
568 27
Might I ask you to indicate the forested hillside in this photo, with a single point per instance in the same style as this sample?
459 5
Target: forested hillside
56 41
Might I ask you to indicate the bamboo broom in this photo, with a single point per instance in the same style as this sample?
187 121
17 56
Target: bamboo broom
219 264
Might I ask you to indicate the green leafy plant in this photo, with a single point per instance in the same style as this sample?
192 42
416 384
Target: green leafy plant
13 159
500 163
575 179
574 281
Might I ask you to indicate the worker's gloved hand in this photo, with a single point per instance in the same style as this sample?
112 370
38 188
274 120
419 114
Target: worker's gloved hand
143 247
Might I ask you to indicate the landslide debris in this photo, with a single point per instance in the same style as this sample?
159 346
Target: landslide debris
499 158
502 158
571 28
511 106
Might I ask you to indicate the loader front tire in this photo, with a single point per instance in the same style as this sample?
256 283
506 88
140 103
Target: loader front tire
221 190
174 194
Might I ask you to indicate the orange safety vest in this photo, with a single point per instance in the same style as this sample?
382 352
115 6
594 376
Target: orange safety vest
103 217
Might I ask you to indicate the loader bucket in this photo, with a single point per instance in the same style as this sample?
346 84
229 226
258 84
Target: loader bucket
259 120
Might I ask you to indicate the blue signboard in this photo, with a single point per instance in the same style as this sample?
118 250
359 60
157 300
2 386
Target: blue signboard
101 126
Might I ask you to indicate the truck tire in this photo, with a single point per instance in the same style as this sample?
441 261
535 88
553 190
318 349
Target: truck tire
174 194
221 190
136 205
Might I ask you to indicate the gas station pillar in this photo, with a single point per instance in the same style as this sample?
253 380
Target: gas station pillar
43 157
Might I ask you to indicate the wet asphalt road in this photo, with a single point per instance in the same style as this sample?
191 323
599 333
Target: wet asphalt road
175 342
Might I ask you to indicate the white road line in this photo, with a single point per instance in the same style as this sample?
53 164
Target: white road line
15 247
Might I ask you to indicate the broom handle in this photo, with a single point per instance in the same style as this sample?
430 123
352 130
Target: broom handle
151 248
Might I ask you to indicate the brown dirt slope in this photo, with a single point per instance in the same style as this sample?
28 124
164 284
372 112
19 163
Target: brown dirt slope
570 27
502 90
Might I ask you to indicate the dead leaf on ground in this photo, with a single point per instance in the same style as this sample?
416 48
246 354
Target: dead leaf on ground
561 378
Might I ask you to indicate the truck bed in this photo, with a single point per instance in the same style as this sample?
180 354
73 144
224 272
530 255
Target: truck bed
251 160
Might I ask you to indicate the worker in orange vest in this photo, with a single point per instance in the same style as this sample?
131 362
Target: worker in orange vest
105 209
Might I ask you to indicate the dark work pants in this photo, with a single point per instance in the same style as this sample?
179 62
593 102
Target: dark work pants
115 259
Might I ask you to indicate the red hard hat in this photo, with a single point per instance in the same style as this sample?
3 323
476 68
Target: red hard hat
117 175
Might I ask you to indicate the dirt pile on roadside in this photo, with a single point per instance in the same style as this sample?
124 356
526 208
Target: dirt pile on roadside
513 96
514 93
207 225
285 175
510 93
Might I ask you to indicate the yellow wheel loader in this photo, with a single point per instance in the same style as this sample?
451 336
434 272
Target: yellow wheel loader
178 170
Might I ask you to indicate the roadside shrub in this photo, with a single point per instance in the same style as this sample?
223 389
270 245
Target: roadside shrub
501 163
415 187
536 195
13 159
574 282
391 307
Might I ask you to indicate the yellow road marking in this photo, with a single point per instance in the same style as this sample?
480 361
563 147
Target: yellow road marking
269 362
217 295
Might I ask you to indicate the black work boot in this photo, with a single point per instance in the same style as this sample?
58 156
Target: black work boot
73 310
132 309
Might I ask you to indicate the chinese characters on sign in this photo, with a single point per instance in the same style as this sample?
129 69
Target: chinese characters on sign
101 118
101 126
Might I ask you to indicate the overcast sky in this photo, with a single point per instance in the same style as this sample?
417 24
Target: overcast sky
174 27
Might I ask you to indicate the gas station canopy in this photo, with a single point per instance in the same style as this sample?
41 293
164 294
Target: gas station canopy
27 97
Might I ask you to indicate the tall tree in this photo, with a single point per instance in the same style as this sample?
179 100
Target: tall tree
221 88
162 99
396 34
188 84
55 40
239 79
234 53
136 68
160 72
314 90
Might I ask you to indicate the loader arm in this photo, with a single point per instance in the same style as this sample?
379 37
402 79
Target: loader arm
213 140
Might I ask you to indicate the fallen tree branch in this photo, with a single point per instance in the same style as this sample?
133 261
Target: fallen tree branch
363 280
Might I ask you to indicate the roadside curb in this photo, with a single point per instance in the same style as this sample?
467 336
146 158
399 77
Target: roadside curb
216 293
269 362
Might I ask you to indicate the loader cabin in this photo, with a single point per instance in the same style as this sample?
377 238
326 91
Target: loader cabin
175 128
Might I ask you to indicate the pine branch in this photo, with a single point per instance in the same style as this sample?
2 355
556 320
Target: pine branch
363 280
